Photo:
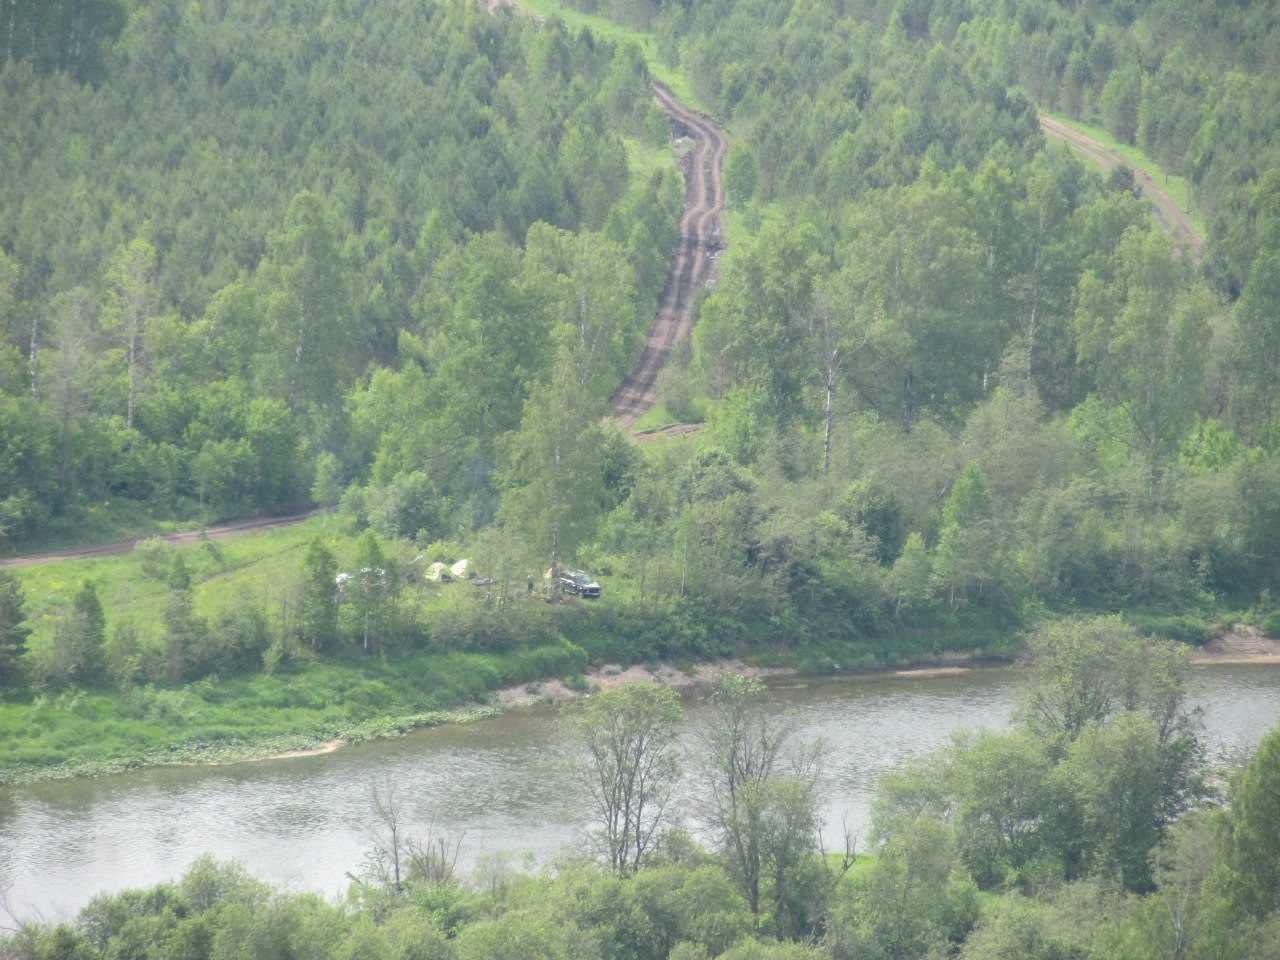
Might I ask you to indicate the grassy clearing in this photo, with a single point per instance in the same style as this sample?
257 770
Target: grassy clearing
225 572
645 159
659 416
1178 189
460 650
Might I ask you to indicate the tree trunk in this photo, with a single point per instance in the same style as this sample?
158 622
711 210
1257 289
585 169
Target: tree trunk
35 357
826 429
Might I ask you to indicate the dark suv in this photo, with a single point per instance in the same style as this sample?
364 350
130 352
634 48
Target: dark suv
579 584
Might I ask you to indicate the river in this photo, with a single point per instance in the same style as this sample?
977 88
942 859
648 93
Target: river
500 786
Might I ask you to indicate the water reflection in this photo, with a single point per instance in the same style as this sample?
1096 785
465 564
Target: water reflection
500 784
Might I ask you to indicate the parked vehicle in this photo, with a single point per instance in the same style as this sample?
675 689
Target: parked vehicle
579 584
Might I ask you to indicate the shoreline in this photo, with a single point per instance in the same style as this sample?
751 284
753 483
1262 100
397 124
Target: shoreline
1241 646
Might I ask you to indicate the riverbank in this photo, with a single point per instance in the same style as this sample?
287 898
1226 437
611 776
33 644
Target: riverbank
499 785
1241 644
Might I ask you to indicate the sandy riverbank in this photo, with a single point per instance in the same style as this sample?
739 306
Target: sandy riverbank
1241 644
612 675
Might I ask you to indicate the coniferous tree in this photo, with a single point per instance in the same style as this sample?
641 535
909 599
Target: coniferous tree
318 603
13 631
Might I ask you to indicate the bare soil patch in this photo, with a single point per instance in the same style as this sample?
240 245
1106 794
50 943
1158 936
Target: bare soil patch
327 747
611 675
1241 644
670 430
701 149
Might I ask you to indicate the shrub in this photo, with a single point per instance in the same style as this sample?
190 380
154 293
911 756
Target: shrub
155 557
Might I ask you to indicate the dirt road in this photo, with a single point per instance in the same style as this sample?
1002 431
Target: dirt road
116 547
692 267
1167 213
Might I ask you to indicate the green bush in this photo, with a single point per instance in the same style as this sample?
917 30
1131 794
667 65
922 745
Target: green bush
1185 628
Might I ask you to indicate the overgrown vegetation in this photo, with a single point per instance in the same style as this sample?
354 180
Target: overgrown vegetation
1084 832
395 257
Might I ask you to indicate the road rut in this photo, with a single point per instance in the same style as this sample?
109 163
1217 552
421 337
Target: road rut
692 266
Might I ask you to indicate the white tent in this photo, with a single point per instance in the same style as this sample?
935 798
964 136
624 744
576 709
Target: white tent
438 572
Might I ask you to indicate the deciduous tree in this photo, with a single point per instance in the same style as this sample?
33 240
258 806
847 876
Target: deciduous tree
759 801
630 767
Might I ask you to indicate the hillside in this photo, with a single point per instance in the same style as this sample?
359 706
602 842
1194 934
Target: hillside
396 259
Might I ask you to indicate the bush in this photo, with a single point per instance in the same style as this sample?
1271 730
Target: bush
1271 624
155 557
1185 628
561 659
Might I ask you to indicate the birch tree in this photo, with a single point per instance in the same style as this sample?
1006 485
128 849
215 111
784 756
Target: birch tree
629 770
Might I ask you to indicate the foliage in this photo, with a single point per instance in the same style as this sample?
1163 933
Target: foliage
1104 760
629 735
759 802
13 631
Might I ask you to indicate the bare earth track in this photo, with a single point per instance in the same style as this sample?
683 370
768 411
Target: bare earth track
693 264
116 547
692 267
1167 213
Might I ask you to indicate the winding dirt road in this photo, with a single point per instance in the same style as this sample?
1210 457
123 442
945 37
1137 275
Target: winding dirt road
693 265
116 547
1167 213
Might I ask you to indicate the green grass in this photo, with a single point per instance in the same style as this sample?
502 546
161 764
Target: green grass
659 416
80 732
1176 187
464 650
224 572
645 159
95 523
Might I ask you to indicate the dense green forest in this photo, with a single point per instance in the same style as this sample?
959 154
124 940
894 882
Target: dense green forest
1083 833
391 258
396 256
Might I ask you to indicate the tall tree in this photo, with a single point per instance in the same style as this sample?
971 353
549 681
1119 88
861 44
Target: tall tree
1146 341
308 298
13 630
759 802
76 655
374 585
554 467
629 735
1253 830
318 602
837 329
75 369
130 303
185 633
967 546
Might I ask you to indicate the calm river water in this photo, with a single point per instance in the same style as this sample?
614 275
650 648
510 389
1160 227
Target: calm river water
501 785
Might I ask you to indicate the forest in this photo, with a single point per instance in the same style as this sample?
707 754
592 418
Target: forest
393 258
1091 829
954 389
